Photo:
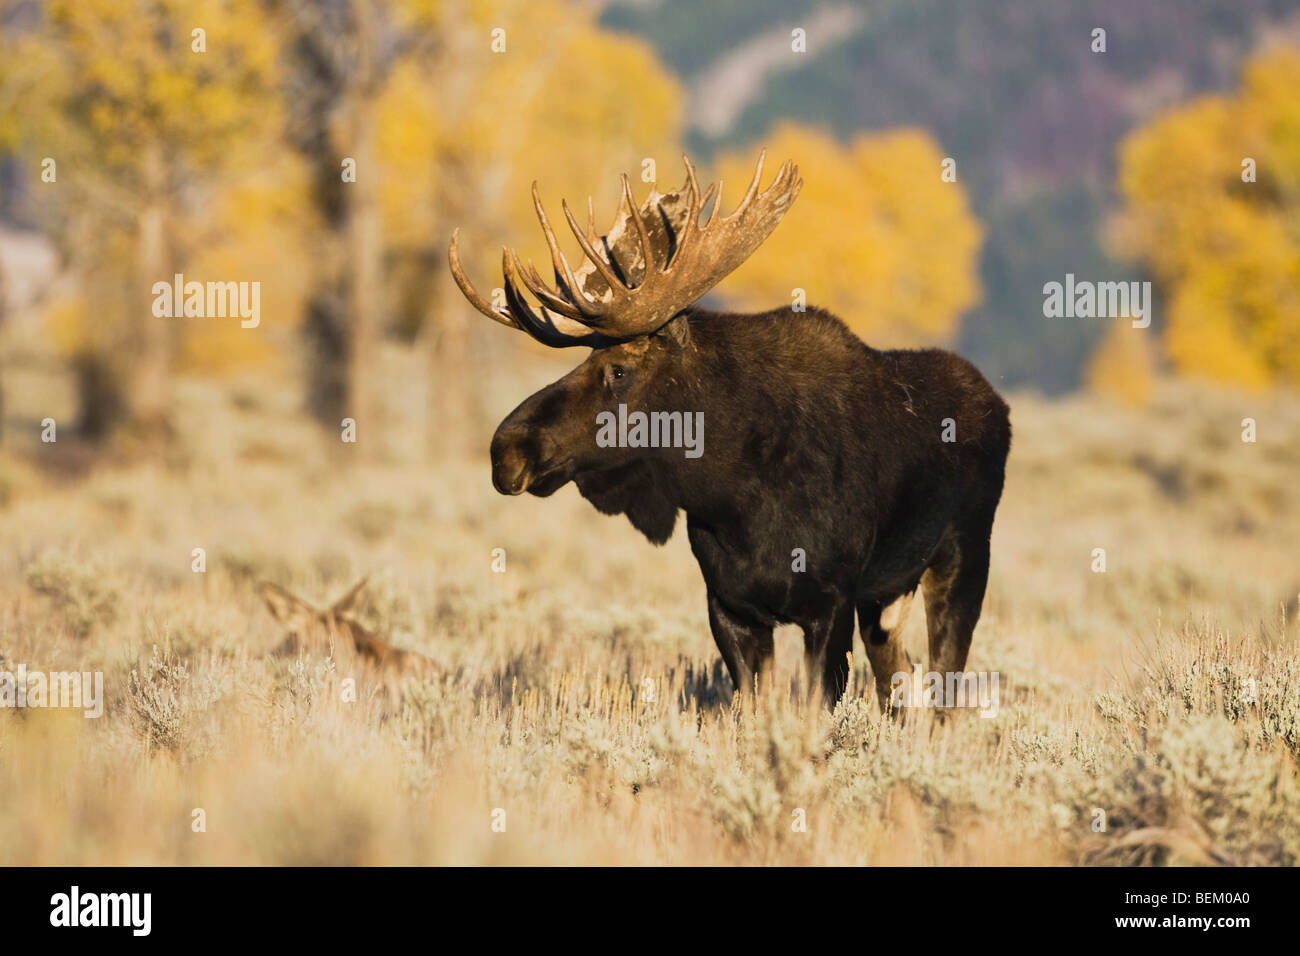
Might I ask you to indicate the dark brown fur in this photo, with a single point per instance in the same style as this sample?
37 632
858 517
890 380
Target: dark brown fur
813 441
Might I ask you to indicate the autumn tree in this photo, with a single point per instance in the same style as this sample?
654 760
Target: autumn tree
131 119
1124 367
338 55
508 96
877 235
1212 209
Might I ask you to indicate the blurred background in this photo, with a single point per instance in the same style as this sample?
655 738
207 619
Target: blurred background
129 154
154 470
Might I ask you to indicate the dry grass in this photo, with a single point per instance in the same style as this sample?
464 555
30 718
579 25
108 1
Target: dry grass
584 696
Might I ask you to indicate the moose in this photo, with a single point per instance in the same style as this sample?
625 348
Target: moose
337 631
836 478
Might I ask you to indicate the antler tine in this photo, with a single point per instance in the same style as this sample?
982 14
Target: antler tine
785 180
692 224
574 309
556 299
589 250
519 306
538 287
529 321
781 173
788 180
592 236
518 315
467 289
717 205
708 194
753 187
691 181
647 253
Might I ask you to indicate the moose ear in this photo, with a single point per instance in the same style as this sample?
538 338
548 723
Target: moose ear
289 610
349 602
678 331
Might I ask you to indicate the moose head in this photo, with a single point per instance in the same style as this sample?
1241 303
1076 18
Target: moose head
335 630
625 301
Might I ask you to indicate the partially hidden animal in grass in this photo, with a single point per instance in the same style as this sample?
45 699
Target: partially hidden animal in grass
336 631
836 478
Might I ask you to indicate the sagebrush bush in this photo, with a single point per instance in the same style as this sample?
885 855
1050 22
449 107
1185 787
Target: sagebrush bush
84 596
583 697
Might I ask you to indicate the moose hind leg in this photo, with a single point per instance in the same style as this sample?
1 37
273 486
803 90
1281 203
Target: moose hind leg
747 648
882 629
954 593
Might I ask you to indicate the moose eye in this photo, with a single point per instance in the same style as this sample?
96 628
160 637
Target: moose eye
616 371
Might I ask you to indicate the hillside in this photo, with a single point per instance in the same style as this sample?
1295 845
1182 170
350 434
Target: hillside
1010 88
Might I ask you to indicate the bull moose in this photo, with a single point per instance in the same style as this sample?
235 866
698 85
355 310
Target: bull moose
835 478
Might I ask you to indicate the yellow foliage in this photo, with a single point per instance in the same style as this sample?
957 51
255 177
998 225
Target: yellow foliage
1203 337
215 346
1123 367
65 318
575 136
1226 251
135 116
120 75
462 138
255 232
875 236
409 141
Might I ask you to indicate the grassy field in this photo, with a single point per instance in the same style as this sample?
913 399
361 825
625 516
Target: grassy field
583 705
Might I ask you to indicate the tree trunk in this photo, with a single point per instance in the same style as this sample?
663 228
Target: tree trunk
364 263
451 409
149 399
99 396
363 259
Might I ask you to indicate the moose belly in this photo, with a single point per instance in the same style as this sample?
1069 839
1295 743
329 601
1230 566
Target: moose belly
769 583
803 572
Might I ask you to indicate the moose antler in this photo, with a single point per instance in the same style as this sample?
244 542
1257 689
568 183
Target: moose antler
653 262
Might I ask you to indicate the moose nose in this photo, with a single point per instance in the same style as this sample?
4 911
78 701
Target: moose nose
510 475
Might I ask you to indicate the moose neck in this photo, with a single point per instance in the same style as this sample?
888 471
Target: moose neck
745 375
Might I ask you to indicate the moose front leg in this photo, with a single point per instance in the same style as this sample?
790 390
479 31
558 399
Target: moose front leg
746 646
827 643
